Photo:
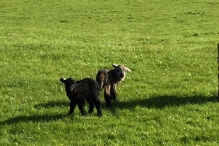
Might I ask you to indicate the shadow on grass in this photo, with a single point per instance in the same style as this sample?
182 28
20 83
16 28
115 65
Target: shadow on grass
164 101
152 102
52 104
40 118
34 118
158 102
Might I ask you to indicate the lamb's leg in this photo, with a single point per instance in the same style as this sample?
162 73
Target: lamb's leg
91 106
107 96
113 92
98 107
81 106
72 107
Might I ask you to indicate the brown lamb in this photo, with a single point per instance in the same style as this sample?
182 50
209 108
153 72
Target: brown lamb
109 79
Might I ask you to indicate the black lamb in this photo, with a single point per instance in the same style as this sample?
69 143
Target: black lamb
79 91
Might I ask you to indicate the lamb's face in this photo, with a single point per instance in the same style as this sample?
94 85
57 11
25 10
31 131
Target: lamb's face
68 81
69 85
121 71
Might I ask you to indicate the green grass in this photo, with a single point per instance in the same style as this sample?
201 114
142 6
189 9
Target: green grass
169 98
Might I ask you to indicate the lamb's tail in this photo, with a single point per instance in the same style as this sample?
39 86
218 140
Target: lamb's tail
102 77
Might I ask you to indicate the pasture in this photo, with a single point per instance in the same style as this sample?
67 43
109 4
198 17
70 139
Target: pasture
169 98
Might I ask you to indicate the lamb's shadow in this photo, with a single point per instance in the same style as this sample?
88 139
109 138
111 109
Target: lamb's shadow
52 104
33 118
158 102
40 118
164 101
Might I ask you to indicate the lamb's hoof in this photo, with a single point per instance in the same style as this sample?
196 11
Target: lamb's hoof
84 114
90 112
109 105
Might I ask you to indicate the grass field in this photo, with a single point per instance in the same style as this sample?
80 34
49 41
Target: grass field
168 99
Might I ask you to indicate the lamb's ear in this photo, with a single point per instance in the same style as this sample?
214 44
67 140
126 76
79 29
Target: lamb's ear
62 80
114 65
127 69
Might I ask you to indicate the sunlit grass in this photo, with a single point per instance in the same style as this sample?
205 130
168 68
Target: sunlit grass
169 98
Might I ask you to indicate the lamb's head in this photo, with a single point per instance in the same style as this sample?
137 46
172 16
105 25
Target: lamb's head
120 71
69 85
